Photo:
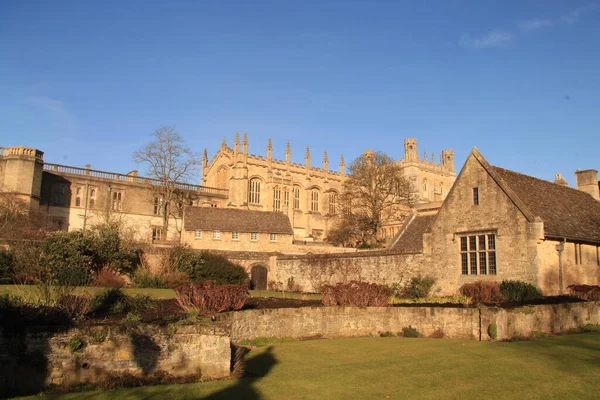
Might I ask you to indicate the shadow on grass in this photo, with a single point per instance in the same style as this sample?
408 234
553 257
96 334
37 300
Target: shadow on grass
250 371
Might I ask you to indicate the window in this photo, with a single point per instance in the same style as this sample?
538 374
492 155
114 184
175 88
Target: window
59 195
158 206
277 199
78 196
424 185
254 192
235 236
213 205
116 200
296 198
478 254
254 236
476 196
332 203
198 234
286 200
216 235
157 233
273 237
92 198
577 253
314 200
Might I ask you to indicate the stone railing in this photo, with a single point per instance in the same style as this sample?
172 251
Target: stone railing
69 170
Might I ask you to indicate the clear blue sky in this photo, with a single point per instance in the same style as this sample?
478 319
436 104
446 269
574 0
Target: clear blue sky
88 82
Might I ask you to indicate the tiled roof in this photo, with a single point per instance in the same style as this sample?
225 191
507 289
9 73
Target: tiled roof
410 237
236 220
566 212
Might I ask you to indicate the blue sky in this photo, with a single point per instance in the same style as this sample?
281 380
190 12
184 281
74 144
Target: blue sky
88 82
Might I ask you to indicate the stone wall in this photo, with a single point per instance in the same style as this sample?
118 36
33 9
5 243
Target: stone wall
454 323
37 358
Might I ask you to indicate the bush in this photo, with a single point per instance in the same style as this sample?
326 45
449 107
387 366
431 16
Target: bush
585 292
107 277
482 292
358 294
107 301
519 292
209 299
492 331
438 334
75 307
418 287
10 301
206 266
145 279
409 331
75 344
6 266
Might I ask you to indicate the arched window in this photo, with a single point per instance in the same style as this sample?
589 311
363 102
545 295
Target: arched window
314 200
333 203
296 198
254 192
277 199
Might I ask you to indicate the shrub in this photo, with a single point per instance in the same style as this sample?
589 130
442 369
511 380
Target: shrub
418 287
386 334
209 299
438 334
107 301
585 292
107 277
519 292
206 266
6 267
143 278
358 294
75 344
409 331
10 301
482 292
493 331
75 307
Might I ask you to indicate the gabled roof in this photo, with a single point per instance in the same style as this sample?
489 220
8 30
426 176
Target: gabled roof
236 220
567 213
410 237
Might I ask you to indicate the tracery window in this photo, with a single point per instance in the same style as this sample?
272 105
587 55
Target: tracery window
254 192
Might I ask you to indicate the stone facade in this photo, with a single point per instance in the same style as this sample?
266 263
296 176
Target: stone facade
310 195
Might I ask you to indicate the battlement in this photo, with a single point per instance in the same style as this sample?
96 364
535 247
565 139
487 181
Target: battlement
19 151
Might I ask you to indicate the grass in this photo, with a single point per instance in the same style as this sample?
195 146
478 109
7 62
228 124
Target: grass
564 367
30 292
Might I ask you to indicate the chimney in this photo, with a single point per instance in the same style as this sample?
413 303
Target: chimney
559 180
587 181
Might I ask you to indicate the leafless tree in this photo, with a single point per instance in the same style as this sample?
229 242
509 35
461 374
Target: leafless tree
375 191
170 162
18 220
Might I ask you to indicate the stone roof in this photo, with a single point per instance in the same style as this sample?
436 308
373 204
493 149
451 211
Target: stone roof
236 220
410 237
566 212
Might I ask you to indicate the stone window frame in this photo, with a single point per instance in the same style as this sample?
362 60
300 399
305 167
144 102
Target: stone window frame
333 203
116 200
273 237
277 198
314 200
476 199
254 191
235 235
216 235
478 253
197 234
253 236
92 193
296 198
157 233
158 208
78 191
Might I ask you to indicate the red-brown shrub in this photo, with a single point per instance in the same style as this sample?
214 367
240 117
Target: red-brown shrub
482 292
585 292
108 277
358 294
209 299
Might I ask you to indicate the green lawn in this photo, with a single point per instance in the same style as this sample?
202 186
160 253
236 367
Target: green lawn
30 292
565 367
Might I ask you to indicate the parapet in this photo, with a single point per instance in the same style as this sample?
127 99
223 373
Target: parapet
22 152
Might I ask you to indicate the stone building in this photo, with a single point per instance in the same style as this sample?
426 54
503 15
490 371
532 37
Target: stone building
309 195
74 198
237 230
498 224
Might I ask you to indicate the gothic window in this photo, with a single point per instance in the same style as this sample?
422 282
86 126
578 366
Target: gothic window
117 197
296 198
277 199
254 192
333 203
478 254
286 200
314 200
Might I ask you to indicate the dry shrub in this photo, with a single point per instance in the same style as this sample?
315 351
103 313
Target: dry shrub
438 334
358 294
175 279
108 277
585 292
482 292
76 307
209 299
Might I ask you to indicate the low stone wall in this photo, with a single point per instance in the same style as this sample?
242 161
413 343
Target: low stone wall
531 320
35 359
454 323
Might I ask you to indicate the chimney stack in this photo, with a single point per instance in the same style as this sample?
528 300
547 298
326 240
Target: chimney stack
587 181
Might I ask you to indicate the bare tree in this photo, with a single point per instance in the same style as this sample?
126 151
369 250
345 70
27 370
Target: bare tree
170 162
18 220
374 192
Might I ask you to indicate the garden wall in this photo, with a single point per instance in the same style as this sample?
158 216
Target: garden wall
40 357
454 323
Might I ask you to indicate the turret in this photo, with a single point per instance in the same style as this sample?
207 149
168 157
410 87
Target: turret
448 160
410 150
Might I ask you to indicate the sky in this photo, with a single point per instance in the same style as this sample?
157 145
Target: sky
89 82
